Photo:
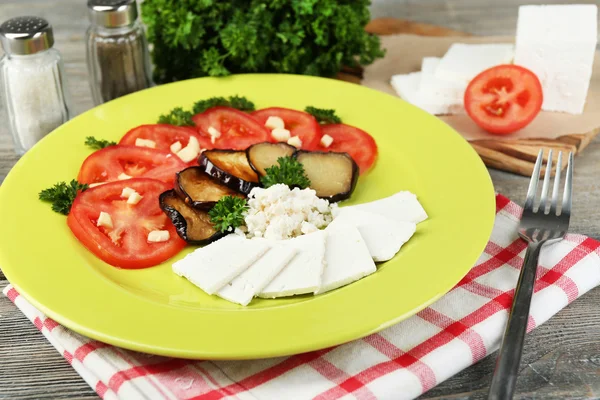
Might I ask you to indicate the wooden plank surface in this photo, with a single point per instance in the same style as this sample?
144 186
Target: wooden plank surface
562 357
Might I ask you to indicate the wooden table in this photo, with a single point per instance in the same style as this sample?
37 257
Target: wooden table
562 357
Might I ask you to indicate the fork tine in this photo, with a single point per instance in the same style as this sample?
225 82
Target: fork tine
546 184
535 176
554 205
566 206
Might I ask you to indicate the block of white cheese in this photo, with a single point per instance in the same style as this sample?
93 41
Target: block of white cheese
402 206
438 95
245 286
383 236
407 86
303 273
213 266
463 62
347 255
558 44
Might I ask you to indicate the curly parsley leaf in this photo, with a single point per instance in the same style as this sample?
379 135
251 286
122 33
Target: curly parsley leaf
62 195
239 102
96 144
324 115
178 116
228 213
289 172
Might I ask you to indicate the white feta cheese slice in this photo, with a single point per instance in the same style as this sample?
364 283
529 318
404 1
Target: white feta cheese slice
383 236
347 256
191 151
123 176
158 236
127 191
104 220
303 273
326 141
436 95
407 86
135 198
280 134
402 206
558 43
463 62
145 143
213 266
175 147
245 286
274 122
295 141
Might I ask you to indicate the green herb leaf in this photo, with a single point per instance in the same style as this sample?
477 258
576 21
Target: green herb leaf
178 116
228 213
289 172
96 144
324 115
62 195
239 102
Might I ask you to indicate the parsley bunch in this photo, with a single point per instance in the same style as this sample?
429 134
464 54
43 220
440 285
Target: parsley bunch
289 172
228 213
195 38
62 195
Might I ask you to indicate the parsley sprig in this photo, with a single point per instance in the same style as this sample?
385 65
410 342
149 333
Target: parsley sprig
324 115
228 213
178 116
97 144
239 102
289 172
62 195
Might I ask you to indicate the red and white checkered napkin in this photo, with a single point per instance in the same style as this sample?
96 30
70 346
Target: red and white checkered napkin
400 362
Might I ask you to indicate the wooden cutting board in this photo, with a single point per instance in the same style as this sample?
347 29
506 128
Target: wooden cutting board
517 156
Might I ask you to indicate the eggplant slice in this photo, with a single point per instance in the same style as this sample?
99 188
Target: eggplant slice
199 190
192 225
332 175
231 168
264 155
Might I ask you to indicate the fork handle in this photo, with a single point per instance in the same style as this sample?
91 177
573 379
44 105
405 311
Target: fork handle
509 356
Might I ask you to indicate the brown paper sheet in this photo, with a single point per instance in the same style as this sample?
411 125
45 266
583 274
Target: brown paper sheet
404 55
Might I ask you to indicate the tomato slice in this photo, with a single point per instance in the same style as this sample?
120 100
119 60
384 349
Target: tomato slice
299 123
165 135
237 129
109 163
357 143
504 99
126 244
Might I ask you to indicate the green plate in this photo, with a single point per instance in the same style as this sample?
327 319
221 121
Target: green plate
155 311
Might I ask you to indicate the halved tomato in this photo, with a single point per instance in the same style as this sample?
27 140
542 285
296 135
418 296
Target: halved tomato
299 123
236 129
504 99
357 143
165 135
109 163
126 244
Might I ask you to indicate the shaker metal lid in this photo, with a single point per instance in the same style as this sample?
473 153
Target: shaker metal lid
112 13
26 35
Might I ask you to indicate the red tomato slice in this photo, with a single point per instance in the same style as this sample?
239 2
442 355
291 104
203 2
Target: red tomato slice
238 130
109 163
504 99
165 135
126 244
357 143
299 123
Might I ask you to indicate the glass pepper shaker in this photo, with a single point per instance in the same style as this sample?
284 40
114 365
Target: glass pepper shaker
117 50
32 81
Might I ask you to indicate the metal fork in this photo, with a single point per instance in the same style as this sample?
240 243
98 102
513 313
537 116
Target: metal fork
539 225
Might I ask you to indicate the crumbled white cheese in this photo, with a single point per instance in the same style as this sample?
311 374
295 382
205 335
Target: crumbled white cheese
280 134
191 151
123 176
145 143
278 213
158 236
175 147
104 220
127 192
134 198
214 134
274 122
295 141
326 141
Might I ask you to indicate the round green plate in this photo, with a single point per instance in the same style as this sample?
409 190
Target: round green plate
155 311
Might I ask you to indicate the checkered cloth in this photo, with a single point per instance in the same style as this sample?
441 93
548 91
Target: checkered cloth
400 362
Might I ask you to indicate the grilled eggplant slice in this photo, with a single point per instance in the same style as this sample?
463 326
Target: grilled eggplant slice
192 225
231 168
332 175
199 190
264 155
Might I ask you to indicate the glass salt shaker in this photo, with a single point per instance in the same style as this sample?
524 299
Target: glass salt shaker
117 50
32 81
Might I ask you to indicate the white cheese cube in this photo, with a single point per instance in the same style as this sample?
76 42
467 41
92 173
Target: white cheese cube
104 220
175 147
295 141
280 134
135 198
127 192
191 151
326 141
463 62
158 236
402 206
274 122
558 44
214 134
145 143
123 176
